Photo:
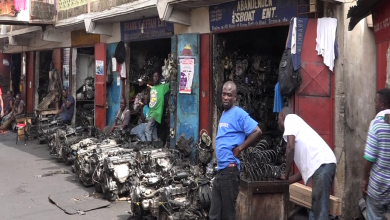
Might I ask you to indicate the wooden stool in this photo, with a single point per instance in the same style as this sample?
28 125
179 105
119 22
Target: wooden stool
21 131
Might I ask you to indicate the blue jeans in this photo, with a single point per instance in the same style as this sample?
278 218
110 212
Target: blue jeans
322 184
150 127
140 129
65 117
376 209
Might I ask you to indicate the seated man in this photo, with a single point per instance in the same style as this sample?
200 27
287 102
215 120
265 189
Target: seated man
9 103
139 130
17 109
122 118
67 109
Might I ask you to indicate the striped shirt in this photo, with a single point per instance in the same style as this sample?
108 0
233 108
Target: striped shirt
378 152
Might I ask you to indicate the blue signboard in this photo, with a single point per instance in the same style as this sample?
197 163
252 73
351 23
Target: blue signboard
145 29
246 13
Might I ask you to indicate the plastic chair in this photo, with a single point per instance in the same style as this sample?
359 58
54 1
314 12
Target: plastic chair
21 126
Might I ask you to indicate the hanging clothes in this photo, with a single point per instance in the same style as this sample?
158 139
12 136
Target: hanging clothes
295 40
278 99
326 36
20 5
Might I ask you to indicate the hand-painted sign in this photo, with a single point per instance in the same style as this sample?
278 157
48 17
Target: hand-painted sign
145 29
82 38
246 13
381 18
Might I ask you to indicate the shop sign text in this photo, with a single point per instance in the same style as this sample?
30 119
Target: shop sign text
245 13
145 29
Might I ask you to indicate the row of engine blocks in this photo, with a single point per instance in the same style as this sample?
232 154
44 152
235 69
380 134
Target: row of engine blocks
161 183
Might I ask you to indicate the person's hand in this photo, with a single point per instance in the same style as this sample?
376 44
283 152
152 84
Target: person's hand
364 186
150 86
283 177
236 151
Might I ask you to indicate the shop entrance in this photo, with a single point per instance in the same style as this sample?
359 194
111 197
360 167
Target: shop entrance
45 66
146 58
85 86
16 71
251 59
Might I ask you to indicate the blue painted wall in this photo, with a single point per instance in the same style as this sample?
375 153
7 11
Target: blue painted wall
187 120
113 90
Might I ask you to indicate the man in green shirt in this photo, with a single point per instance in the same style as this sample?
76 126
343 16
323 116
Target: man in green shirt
156 105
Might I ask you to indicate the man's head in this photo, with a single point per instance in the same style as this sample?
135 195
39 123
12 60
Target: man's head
382 100
8 93
156 78
282 116
64 93
229 95
123 104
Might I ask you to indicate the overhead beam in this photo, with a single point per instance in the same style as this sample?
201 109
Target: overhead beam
167 12
16 41
28 30
93 27
53 35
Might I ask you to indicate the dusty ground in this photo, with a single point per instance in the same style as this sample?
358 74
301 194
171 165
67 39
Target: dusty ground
24 196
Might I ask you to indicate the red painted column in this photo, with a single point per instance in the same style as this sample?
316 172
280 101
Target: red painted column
381 64
30 57
100 87
205 108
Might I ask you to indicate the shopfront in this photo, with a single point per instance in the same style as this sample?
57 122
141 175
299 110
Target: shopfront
151 44
87 81
248 43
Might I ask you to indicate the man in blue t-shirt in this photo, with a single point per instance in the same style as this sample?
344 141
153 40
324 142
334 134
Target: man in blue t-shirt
67 109
234 125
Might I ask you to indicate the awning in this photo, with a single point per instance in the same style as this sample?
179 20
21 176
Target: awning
361 10
22 36
178 11
101 23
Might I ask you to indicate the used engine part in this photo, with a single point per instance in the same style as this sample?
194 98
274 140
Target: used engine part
87 90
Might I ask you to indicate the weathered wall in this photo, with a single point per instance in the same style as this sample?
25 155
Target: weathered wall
355 88
199 22
94 6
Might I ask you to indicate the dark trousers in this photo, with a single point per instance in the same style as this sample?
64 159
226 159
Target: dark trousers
224 194
322 184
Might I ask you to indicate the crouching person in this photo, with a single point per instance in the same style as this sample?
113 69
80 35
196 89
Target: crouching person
122 118
140 130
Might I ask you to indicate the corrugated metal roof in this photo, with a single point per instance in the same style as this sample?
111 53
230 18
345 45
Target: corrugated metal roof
361 10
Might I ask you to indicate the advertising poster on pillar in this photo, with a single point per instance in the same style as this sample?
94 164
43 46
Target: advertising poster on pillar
145 29
187 70
247 13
